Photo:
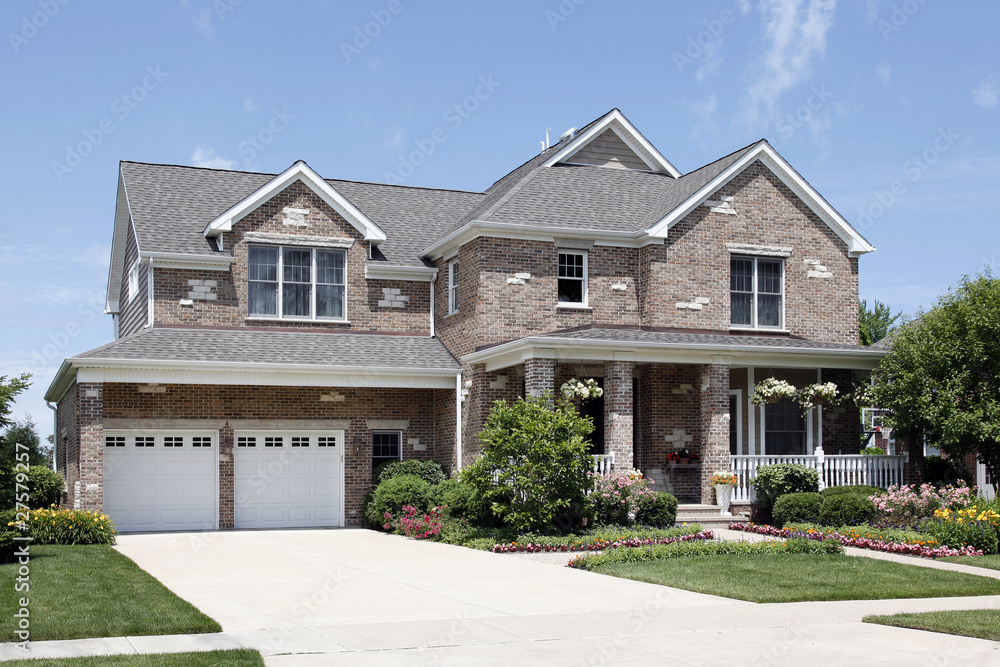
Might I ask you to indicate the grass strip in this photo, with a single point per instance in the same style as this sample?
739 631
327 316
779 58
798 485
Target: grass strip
979 623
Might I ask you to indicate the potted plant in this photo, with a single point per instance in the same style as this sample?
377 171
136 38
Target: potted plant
818 394
694 457
724 483
773 390
673 458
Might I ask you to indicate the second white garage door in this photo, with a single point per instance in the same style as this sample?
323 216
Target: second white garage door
289 479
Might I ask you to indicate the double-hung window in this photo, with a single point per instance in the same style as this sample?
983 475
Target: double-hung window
385 447
573 278
756 292
296 283
453 286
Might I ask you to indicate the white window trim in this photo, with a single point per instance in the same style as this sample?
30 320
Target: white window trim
754 326
585 280
738 418
379 431
453 286
133 281
312 296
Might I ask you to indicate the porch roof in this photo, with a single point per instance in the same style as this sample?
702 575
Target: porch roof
244 356
657 345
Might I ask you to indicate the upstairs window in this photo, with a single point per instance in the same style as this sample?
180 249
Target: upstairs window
453 286
573 278
296 283
756 292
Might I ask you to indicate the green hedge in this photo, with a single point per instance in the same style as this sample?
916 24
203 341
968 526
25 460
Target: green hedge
798 545
846 510
429 471
776 480
856 489
657 509
393 493
797 507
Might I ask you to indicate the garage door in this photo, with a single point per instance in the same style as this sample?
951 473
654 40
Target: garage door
163 480
289 479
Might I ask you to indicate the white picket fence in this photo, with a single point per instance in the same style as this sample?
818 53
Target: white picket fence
604 464
837 470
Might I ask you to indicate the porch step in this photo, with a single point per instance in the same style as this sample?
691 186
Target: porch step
708 515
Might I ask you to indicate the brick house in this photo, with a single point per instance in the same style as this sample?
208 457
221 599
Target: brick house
278 335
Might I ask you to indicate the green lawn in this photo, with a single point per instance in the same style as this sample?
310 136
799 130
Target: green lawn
981 623
802 577
991 562
236 658
94 591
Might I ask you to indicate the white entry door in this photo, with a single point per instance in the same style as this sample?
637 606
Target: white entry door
289 479
984 482
164 480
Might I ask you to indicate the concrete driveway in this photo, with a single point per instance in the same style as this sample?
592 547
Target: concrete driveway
356 597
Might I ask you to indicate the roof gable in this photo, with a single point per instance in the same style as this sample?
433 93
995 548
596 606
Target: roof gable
299 171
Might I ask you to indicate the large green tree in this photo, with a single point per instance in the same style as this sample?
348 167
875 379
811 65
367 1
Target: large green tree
877 322
9 389
941 378
25 433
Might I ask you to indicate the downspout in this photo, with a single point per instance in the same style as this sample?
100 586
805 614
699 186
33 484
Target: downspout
55 432
150 301
433 282
458 420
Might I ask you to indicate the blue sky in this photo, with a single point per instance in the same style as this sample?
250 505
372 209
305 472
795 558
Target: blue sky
890 109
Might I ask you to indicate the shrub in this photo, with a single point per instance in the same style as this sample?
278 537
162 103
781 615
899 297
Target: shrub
461 500
657 509
977 526
616 497
907 505
797 508
873 451
390 496
776 480
846 510
6 544
856 489
534 466
46 487
59 526
429 471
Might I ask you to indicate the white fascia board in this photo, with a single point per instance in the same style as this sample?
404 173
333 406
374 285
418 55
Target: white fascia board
856 244
169 260
627 133
61 382
511 354
277 375
412 273
477 228
123 219
299 171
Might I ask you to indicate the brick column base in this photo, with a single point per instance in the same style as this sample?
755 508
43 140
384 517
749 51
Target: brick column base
714 380
539 377
618 413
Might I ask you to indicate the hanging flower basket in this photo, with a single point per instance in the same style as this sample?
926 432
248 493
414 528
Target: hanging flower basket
773 390
818 394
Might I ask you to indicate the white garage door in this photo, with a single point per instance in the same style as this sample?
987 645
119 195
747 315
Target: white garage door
165 480
289 479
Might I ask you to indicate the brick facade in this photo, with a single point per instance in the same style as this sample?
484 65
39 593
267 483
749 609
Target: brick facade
618 412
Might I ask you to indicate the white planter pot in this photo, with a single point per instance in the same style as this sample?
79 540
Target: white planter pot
723 496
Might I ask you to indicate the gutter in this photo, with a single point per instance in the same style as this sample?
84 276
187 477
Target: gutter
55 432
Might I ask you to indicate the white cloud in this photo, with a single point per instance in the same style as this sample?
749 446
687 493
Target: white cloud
394 140
205 22
704 125
713 56
986 93
250 106
796 33
883 72
206 157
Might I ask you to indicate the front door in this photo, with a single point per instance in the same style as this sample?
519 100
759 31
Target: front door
594 408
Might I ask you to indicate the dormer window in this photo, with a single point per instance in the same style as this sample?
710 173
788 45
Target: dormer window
296 283
573 278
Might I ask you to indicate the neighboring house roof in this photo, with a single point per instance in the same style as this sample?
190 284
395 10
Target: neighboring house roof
216 356
655 345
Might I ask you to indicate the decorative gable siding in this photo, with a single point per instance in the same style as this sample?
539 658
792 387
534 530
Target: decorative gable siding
608 150
693 266
219 298
132 315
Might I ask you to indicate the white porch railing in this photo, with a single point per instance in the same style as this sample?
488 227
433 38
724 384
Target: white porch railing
838 470
604 464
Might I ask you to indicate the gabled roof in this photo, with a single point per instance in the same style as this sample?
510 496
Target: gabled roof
298 172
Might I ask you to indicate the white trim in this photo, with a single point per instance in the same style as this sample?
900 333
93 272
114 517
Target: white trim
172 260
453 285
132 281
384 431
573 304
738 393
857 245
313 285
123 217
628 133
299 171
150 294
758 250
755 295
422 274
458 421
751 414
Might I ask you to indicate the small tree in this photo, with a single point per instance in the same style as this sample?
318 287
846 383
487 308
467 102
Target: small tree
25 433
9 389
876 323
941 378
534 465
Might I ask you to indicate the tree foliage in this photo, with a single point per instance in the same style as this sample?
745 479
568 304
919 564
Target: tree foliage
941 378
9 389
534 466
877 322
25 433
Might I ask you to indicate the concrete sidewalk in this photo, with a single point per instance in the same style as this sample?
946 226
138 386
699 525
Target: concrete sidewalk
364 598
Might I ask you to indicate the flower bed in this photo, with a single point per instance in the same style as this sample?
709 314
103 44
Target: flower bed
916 548
596 544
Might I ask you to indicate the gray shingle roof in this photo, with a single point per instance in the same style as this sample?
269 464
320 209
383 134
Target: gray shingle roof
639 335
249 347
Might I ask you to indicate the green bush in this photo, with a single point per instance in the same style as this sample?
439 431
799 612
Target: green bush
776 480
534 466
796 508
429 471
6 544
853 490
393 493
63 526
461 501
846 510
657 509
46 487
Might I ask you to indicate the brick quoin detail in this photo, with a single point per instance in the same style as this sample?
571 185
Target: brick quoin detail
618 412
714 425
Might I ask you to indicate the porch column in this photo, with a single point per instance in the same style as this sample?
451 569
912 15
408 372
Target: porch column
714 381
539 377
618 412
91 452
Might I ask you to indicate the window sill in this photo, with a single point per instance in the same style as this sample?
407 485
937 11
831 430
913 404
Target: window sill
451 314
578 307
288 320
759 330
